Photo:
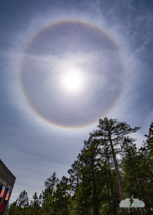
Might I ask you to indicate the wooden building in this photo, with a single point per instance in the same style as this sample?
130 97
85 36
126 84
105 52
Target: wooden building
7 180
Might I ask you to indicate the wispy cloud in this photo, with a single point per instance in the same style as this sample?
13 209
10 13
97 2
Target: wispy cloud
117 84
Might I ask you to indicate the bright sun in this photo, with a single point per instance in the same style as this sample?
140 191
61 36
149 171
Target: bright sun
72 81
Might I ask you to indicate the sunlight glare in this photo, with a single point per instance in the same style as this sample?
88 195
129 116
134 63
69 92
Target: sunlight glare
72 81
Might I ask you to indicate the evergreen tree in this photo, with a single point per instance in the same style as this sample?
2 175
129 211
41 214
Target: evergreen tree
20 206
112 132
63 196
35 205
92 173
74 180
111 182
146 181
93 188
13 209
48 200
51 182
130 169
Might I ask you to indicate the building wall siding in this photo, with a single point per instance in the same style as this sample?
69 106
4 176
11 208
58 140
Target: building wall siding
6 175
7 179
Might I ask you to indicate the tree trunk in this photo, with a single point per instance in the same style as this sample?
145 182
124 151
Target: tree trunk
117 175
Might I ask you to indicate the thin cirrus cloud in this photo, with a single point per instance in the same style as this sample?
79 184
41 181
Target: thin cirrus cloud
43 126
65 40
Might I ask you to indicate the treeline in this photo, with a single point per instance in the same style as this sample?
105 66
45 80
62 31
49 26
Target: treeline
98 180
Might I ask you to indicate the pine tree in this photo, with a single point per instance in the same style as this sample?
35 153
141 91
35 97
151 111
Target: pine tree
48 199
13 209
146 181
92 173
22 203
112 132
51 182
63 197
35 205
74 180
110 180
84 191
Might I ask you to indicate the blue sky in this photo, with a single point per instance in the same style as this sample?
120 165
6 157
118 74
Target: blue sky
44 120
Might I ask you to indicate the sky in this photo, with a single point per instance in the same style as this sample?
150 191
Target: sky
64 65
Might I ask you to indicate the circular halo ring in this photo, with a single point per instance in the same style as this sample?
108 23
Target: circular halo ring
52 25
